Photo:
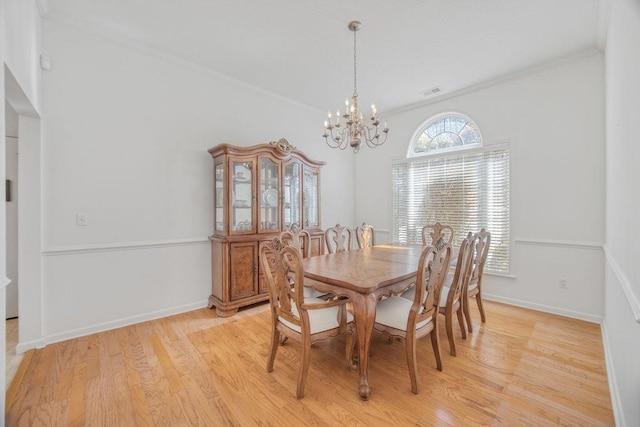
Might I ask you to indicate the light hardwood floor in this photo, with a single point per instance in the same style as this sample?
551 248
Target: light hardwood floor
522 367
12 359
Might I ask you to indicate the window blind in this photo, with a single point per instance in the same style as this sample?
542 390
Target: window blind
467 191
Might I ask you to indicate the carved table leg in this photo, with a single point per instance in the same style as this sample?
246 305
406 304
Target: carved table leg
364 308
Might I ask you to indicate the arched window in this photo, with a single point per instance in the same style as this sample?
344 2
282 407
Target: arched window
451 177
445 132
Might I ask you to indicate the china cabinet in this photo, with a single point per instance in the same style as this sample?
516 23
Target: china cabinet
257 192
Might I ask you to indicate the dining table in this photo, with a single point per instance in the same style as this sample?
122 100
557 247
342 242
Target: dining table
364 276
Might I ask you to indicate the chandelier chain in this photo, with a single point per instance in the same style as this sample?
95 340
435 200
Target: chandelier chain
355 65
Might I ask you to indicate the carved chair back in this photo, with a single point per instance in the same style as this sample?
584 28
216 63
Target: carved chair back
298 238
482 242
365 235
462 271
337 239
432 271
432 233
282 269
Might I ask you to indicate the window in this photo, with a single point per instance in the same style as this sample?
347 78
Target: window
466 188
449 131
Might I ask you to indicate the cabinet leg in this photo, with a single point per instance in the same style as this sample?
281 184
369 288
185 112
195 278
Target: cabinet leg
221 312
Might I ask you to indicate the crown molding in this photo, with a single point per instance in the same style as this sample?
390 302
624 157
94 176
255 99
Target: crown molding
496 81
168 57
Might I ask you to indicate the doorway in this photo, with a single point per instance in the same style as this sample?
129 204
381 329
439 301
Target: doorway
11 198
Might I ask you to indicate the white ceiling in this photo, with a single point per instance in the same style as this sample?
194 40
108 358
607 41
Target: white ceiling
303 50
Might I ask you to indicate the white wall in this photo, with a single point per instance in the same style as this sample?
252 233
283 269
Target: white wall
127 132
22 47
553 118
622 309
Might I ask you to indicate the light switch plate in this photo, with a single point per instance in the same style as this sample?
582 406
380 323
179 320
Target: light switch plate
81 219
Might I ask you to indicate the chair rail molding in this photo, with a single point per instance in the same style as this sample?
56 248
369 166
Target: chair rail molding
114 247
558 243
632 298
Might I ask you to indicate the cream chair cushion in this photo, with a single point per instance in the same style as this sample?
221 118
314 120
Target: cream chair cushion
320 320
394 312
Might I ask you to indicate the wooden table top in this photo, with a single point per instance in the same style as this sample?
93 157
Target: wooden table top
365 270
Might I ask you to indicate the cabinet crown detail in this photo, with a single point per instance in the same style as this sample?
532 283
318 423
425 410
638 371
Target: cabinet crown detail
269 148
283 145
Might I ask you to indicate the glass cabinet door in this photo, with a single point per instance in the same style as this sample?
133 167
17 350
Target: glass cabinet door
218 193
292 197
242 196
269 195
311 201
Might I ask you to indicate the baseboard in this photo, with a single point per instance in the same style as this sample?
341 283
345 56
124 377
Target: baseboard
107 326
21 347
545 308
618 413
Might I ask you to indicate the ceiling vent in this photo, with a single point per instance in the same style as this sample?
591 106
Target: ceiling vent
431 92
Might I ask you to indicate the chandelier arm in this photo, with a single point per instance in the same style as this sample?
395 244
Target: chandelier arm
370 136
338 139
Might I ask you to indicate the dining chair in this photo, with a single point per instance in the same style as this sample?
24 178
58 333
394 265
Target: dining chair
407 320
474 287
300 239
451 297
365 235
435 235
306 320
337 239
432 233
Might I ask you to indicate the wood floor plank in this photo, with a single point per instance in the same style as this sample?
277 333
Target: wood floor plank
521 367
77 402
18 378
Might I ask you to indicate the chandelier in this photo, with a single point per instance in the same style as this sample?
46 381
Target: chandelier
350 128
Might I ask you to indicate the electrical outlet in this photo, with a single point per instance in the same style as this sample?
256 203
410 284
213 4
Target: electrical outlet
562 283
81 219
